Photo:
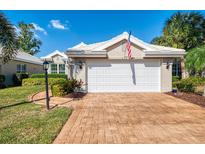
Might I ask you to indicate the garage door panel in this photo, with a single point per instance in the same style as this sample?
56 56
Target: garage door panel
113 76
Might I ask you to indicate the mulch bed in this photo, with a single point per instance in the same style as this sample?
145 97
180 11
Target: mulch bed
190 97
76 95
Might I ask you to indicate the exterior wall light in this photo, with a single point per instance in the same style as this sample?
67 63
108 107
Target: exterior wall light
168 64
80 64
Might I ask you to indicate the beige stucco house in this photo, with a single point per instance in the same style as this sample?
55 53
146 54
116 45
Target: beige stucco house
58 62
105 67
22 63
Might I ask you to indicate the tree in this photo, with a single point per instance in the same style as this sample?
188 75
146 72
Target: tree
159 41
183 30
195 60
26 39
8 39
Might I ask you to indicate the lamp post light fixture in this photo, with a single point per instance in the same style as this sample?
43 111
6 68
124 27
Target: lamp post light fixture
45 67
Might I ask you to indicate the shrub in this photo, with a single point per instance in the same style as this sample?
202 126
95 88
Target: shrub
2 78
196 80
41 81
18 77
63 88
199 90
59 89
174 84
49 76
175 78
2 86
185 86
71 85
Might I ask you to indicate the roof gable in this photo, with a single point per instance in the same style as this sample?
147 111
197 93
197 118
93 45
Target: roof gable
124 36
56 52
148 50
102 46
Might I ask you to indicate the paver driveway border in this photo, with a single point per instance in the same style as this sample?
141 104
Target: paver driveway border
134 118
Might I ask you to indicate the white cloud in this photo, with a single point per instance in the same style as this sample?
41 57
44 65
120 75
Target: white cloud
36 36
58 25
40 29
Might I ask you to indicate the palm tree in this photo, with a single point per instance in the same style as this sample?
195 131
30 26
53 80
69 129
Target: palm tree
195 60
183 30
8 39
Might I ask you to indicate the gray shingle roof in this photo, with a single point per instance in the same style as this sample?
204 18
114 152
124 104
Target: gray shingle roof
25 57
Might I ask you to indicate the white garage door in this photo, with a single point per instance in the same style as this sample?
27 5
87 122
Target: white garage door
124 76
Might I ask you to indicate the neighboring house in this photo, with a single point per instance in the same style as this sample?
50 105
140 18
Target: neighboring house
105 67
58 62
22 63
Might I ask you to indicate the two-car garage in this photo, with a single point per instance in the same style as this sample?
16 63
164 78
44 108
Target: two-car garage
124 75
106 67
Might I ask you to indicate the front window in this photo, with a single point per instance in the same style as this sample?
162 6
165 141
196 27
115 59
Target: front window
61 68
176 68
21 68
54 69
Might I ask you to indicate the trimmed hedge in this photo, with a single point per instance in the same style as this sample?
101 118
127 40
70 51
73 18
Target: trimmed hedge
49 76
18 77
58 89
41 81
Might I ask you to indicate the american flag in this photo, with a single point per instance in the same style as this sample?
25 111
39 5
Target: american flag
129 47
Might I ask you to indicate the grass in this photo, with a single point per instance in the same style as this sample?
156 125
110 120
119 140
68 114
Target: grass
24 122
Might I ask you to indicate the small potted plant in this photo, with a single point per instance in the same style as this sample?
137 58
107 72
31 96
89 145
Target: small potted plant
174 90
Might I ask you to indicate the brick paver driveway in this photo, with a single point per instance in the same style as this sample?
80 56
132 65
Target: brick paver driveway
134 118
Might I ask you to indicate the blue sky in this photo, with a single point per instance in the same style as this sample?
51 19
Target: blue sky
59 30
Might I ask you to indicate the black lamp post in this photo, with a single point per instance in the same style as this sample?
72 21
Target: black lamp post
45 67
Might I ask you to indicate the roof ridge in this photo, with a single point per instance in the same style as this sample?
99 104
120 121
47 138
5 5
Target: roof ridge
104 44
160 46
124 33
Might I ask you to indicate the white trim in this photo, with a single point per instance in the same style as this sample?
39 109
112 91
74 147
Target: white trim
146 47
163 55
124 36
87 56
27 61
78 45
56 52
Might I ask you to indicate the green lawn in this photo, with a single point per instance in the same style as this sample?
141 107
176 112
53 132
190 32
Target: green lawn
24 122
